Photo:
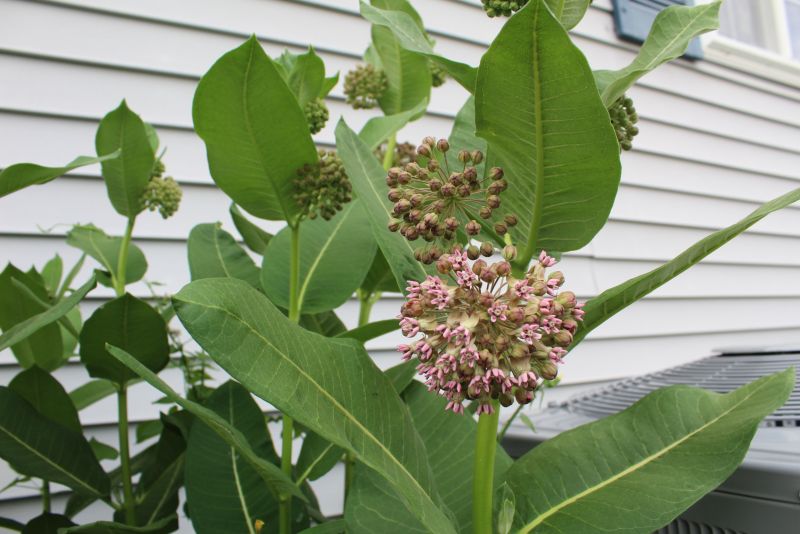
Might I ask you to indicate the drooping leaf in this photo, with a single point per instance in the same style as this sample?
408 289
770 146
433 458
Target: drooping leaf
103 451
93 391
317 457
307 376
553 140
272 475
379 277
213 253
254 237
569 12
370 331
47 396
335 256
31 340
401 375
379 129
369 182
126 177
47 523
21 175
105 249
39 447
411 37
131 324
657 457
307 77
670 35
237 106
614 300
51 274
164 526
325 324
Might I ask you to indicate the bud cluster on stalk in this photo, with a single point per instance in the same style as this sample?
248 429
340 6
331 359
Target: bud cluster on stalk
404 153
364 86
316 114
502 8
624 118
438 74
162 193
484 335
322 189
433 203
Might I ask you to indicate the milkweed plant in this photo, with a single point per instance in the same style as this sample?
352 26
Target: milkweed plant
469 228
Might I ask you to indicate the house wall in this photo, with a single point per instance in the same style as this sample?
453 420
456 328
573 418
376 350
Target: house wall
715 142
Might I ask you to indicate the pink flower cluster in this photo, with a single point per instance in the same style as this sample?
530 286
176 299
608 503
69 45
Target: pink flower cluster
483 334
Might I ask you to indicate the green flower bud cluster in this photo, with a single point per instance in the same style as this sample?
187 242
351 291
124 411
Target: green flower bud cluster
438 74
324 188
162 194
624 119
502 8
364 86
404 153
316 114
433 203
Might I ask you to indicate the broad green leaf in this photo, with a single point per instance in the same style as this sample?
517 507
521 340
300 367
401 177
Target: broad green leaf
657 457
36 446
47 396
224 493
379 129
406 7
379 277
21 175
614 300
52 272
337 526
254 237
213 253
93 391
325 324
370 331
327 85
537 106
148 429
335 256
317 457
272 475
35 323
157 488
237 106
126 177
669 37
569 12
103 451
307 77
374 507
330 386
164 526
463 137
105 249
369 182
130 324
411 37
401 375
31 340
44 304
407 73
47 523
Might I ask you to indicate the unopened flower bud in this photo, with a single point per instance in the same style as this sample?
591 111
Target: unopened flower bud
477 157
503 268
473 252
548 370
473 228
394 224
394 195
506 399
493 201
563 338
487 249
500 228
433 165
510 252
444 266
567 299
510 220
424 150
470 174
443 145
428 140
522 396
495 173
464 156
485 212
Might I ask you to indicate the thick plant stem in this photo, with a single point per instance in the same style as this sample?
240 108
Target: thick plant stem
46 496
388 158
122 261
125 456
483 472
285 519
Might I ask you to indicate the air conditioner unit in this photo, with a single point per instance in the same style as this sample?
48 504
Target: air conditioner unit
763 495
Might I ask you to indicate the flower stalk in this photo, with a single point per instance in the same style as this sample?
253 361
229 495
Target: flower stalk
122 260
125 455
483 472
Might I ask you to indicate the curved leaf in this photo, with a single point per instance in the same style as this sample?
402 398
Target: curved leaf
105 249
379 277
47 396
213 253
236 107
330 386
657 457
307 77
317 457
552 137
21 175
254 237
93 391
569 12
370 331
379 129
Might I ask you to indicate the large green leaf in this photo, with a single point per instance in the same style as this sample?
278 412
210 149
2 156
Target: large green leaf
412 38
105 249
47 396
130 324
47 523
127 176
369 182
670 35
275 479
569 12
213 253
164 526
537 105
39 447
255 132
657 457
36 322
450 441
335 256
254 237
21 175
379 277
463 137
379 129
307 77
330 386
614 300
19 312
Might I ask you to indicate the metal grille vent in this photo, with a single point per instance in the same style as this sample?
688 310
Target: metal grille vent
682 526
722 374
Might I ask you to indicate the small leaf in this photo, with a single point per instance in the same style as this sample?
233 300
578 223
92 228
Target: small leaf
93 391
126 177
307 77
325 324
47 396
94 242
129 323
401 375
370 331
669 37
327 85
148 429
379 129
103 451
379 277
506 506
658 457
164 526
317 457
213 253
254 237
47 523
51 273
21 175
569 12
236 107
335 256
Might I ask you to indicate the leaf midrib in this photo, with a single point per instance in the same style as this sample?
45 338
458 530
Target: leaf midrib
310 273
235 470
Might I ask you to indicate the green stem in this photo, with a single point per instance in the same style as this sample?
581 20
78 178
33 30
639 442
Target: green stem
388 158
483 472
46 496
122 261
125 455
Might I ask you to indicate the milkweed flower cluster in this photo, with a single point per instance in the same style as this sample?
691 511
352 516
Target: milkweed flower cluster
162 194
364 86
482 334
324 188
